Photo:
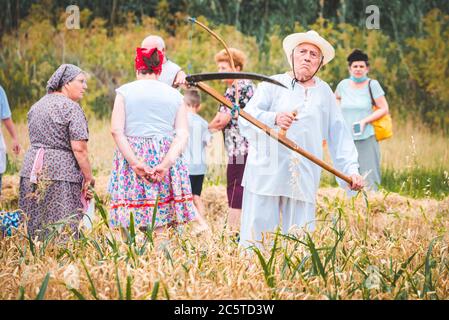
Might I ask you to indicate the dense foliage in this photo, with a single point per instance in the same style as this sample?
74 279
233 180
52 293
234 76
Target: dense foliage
409 54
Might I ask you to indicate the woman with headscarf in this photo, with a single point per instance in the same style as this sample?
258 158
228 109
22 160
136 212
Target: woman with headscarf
56 172
150 129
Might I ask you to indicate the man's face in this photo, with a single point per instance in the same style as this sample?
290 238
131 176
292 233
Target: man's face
307 58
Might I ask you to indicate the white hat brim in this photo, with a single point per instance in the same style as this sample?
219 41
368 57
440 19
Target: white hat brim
292 41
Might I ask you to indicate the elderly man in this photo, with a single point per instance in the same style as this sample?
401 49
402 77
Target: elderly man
279 185
172 74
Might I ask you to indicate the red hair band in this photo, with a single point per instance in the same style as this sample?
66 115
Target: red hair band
140 64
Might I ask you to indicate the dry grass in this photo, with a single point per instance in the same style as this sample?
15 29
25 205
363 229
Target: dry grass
415 145
412 145
181 265
406 240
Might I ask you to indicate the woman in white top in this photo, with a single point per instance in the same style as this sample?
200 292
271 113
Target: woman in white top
150 128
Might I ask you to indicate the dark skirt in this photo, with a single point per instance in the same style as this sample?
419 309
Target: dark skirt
49 203
196 181
234 174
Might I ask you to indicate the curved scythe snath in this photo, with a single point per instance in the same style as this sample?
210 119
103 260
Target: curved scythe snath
270 131
223 43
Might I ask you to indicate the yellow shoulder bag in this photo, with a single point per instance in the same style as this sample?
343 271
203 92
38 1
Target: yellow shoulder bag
383 127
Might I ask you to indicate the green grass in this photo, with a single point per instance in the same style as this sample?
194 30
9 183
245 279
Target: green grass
12 165
354 254
416 183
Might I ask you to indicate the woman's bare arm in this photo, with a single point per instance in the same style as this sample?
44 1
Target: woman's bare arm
220 121
118 133
180 140
79 149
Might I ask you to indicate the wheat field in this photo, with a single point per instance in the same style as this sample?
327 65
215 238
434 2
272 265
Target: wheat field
376 246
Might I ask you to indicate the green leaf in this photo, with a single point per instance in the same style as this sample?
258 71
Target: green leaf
428 285
155 290
113 244
77 294
119 287
401 270
132 229
168 256
128 288
31 243
269 278
92 286
167 295
98 248
21 293
48 240
100 206
299 266
43 289
316 258
143 248
153 219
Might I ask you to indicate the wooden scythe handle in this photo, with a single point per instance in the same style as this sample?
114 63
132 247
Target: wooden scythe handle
272 133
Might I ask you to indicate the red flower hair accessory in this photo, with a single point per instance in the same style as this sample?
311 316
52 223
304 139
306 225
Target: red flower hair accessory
140 64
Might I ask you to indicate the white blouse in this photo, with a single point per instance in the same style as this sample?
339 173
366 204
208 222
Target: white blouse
274 170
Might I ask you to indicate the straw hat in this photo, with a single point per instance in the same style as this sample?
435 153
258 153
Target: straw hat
293 40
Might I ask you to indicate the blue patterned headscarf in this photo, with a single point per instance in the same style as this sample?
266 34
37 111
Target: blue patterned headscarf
63 75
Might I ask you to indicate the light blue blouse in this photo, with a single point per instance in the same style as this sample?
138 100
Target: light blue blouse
4 105
356 104
151 107
5 113
199 137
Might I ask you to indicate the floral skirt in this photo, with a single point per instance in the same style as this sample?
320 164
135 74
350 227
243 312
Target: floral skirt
131 194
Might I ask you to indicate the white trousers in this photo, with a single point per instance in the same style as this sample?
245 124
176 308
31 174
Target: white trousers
262 214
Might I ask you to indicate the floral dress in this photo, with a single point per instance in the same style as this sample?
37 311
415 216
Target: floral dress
151 107
171 199
53 122
236 144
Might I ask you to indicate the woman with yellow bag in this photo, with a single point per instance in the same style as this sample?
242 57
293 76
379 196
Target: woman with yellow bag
364 107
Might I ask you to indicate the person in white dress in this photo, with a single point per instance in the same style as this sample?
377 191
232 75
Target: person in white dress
280 186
